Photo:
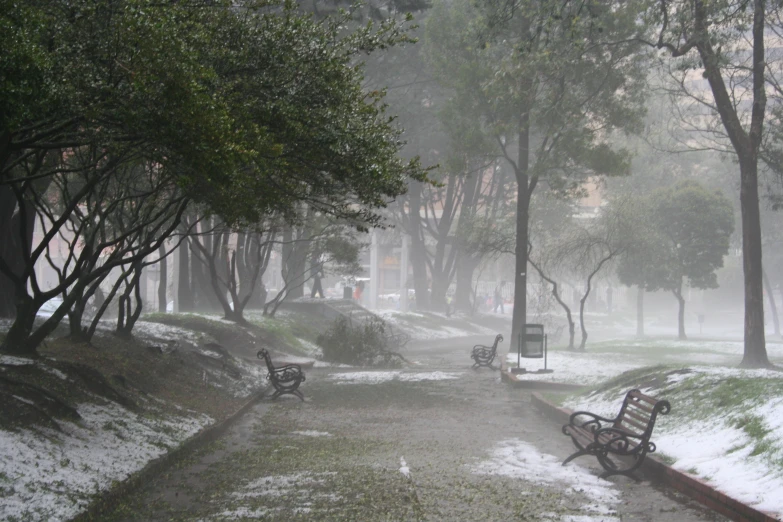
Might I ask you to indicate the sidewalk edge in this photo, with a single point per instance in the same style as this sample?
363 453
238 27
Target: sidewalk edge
512 379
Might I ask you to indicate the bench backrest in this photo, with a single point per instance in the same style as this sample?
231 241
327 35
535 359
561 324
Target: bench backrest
638 413
263 354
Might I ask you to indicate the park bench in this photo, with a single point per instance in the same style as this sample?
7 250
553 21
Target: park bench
284 379
619 444
484 355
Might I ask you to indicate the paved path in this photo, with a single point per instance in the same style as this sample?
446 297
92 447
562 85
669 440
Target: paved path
460 449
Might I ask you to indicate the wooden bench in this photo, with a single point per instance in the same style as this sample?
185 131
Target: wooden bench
619 444
284 379
484 355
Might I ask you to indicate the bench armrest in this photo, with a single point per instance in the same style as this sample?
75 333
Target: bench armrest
595 420
289 372
294 367
621 441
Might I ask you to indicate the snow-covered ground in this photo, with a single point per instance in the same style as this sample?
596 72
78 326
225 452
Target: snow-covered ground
371 377
431 326
54 477
48 475
605 360
726 424
299 485
521 460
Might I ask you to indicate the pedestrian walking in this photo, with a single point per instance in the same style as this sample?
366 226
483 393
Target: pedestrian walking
499 299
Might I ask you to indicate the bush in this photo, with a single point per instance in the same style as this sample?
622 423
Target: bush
363 345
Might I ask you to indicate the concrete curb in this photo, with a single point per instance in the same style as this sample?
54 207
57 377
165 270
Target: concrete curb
110 498
693 487
514 381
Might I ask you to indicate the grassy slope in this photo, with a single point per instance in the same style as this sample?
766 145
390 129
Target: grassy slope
703 399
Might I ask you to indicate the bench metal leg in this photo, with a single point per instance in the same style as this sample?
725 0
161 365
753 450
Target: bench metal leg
278 393
579 453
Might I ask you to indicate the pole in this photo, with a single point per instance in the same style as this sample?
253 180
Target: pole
373 301
546 349
404 273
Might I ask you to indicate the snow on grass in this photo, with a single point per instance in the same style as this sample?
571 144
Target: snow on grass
279 485
370 377
11 360
312 433
607 359
165 332
54 371
575 367
521 460
244 513
54 477
432 326
254 376
300 486
310 348
725 427
404 469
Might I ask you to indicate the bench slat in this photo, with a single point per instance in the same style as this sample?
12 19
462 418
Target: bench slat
641 406
637 416
587 437
634 424
646 398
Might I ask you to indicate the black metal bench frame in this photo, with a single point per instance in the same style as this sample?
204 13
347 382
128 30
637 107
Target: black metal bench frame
484 355
284 379
615 442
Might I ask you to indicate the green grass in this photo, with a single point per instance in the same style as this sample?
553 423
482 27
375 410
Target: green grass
194 322
753 425
666 459
282 331
708 400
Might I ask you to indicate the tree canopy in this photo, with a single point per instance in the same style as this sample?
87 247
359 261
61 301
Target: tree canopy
248 110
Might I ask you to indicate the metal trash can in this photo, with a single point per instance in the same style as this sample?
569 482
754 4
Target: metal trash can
532 344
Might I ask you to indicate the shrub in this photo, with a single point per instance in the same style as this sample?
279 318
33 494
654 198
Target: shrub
362 345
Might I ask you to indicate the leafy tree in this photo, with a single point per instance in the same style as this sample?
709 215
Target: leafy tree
247 111
725 43
544 89
694 226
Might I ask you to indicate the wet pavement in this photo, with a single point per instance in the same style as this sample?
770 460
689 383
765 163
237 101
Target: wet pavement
462 448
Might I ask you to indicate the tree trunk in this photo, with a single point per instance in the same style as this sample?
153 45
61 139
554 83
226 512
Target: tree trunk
640 311
295 254
418 249
582 302
163 280
75 315
755 343
681 313
11 248
466 265
16 340
524 191
184 290
773 308
202 246
559 299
